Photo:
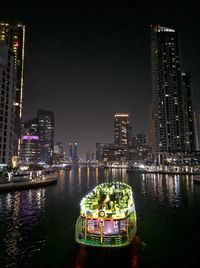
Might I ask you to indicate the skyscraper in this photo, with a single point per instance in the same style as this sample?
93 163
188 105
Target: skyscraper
122 129
189 113
7 95
12 45
46 135
169 92
73 151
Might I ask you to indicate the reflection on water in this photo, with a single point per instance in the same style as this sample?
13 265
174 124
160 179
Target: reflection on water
13 234
19 211
37 226
97 175
128 257
166 189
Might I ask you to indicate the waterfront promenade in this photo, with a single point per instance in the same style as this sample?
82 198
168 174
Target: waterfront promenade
163 172
26 184
173 170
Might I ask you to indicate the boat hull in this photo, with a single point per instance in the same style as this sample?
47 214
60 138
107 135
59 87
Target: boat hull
105 238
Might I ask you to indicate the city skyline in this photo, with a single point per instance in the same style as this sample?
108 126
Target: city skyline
85 68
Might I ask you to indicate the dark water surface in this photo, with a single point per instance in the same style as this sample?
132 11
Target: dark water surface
37 225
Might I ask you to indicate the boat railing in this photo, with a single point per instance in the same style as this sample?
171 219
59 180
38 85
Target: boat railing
98 239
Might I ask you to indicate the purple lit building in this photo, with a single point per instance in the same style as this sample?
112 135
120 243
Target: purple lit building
29 152
37 141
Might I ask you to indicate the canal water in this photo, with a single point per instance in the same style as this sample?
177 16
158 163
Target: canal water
37 225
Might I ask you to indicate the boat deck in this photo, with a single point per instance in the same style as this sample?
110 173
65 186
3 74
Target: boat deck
107 216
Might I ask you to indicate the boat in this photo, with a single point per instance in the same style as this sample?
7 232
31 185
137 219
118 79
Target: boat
107 216
20 177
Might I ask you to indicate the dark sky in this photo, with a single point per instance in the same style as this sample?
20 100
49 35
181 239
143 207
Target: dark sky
86 60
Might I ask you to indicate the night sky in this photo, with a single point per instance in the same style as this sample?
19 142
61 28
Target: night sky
86 60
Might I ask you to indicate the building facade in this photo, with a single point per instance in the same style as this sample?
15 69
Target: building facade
7 97
99 150
13 37
73 152
141 139
169 92
122 129
37 140
30 141
191 145
46 135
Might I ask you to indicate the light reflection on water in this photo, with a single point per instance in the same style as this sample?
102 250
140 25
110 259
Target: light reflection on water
37 226
20 211
166 189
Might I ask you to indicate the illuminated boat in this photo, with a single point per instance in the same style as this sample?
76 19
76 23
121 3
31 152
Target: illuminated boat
107 216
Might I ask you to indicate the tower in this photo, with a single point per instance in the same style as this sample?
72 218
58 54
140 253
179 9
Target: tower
122 129
169 95
12 39
189 113
73 152
46 135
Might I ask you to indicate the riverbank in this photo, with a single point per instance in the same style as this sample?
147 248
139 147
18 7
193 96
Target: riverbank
34 183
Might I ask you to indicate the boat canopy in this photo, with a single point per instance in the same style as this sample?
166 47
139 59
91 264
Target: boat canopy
112 200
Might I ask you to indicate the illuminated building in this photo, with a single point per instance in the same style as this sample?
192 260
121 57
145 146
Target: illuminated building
29 151
58 156
39 149
113 153
46 135
58 148
73 152
140 139
7 95
122 129
12 39
99 149
170 100
189 118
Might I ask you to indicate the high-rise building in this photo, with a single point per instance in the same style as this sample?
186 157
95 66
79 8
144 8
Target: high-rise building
37 141
29 150
12 42
59 148
46 135
122 129
140 139
73 152
7 95
99 150
58 156
189 114
169 96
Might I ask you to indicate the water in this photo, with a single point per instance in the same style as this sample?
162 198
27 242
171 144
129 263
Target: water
37 225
